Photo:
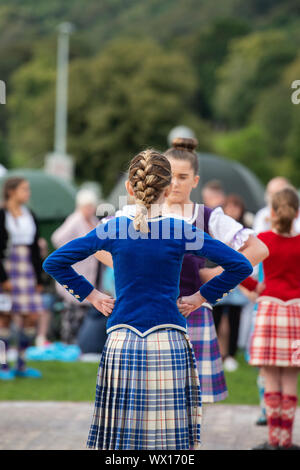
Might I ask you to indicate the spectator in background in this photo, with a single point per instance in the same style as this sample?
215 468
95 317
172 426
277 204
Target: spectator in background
20 273
262 220
78 224
213 194
231 306
234 207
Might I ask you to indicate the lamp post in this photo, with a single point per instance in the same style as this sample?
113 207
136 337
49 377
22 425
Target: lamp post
59 162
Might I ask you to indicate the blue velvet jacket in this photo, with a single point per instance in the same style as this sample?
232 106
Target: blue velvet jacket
147 269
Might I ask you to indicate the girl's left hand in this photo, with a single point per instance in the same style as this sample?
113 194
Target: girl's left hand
188 304
102 302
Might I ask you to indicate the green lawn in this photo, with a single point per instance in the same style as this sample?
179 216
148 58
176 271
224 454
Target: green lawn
242 384
61 381
75 381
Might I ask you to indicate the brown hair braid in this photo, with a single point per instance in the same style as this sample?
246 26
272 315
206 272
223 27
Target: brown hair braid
285 204
149 174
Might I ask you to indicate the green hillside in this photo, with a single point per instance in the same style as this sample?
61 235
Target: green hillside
139 68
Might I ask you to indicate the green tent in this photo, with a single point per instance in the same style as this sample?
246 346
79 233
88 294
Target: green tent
52 198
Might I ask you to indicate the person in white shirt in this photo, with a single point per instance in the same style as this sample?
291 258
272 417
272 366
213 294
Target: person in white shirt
77 224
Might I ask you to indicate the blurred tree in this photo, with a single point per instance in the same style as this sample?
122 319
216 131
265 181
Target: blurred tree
293 146
123 100
208 49
4 155
292 149
126 99
273 113
254 63
249 147
31 107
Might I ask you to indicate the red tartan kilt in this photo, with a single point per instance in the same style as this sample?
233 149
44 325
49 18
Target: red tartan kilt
276 336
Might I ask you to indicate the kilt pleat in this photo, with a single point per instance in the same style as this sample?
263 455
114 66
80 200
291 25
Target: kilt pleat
276 336
203 336
20 272
147 393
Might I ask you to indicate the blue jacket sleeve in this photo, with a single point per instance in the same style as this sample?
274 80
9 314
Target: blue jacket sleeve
59 263
236 266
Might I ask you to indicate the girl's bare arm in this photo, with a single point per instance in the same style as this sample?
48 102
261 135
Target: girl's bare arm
104 257
253 249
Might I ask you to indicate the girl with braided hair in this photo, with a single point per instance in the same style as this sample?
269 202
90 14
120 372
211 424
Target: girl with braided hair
148 393
275 342
200 323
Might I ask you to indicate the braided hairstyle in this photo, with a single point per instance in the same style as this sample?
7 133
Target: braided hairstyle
149 173
285 204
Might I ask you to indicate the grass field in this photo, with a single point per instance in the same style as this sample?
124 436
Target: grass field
75 381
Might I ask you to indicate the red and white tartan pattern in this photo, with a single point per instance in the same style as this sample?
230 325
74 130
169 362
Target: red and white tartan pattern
276 336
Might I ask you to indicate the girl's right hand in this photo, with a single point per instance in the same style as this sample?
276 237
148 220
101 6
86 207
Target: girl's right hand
7 286
102 302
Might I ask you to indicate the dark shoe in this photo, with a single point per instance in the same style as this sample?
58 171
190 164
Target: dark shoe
262 421
292 447
265 446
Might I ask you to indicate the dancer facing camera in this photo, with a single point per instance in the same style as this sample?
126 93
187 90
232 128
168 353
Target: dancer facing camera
200 323
148 393
275 344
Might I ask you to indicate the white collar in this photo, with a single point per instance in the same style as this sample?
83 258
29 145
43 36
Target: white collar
130 209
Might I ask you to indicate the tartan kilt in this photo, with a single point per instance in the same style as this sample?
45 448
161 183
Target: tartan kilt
147 393
203 336
20 272
276 337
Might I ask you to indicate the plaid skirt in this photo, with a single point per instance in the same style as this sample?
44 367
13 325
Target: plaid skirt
20 272
276 337
203 336
147 393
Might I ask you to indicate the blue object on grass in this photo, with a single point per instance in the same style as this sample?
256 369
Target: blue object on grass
7 374
53 352
28 373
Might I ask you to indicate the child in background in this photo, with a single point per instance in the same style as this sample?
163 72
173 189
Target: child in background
276 337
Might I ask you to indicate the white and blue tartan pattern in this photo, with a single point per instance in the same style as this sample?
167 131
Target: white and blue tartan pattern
147 394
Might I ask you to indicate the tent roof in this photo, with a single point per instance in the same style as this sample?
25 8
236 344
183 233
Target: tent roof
235 178
52 198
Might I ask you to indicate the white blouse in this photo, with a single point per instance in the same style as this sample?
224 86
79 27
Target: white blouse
21 230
